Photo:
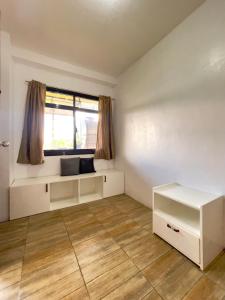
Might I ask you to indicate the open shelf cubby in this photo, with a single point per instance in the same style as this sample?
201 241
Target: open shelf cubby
91 189
73 192
64 194
178 213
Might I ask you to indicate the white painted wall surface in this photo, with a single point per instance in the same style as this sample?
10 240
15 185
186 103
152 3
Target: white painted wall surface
24 70
5 129
171 109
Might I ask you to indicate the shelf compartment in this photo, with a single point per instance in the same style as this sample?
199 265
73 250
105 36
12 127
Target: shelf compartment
63 194
91 189
178 214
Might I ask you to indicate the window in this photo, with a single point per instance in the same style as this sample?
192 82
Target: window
70 122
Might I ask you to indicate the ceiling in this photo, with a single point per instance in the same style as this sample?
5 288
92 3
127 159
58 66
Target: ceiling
103 35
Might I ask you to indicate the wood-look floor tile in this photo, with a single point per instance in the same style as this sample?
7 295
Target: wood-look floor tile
104 212
113 221
172 275
86 232
216 271
140 211
39 222
32 253
39 230
127 205
205 289
80 294
12 239
13 225
46 241
98 203
134 289
79 222
60 288
94 248
73 210
81 217
158 270
9 278
33 281
40 262
140 245
11 259
147 256
131 236
148 227
44 218
141 215
107 282
103 265
143 219
153 295
40 248
10 293
123 228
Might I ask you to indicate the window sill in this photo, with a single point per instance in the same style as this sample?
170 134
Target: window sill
68 152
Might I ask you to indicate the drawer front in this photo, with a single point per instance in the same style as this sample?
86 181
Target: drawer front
180 239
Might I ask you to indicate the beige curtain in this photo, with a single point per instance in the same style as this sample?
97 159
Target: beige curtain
105 142
31 147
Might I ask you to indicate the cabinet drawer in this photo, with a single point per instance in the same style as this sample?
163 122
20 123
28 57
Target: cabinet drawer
180 239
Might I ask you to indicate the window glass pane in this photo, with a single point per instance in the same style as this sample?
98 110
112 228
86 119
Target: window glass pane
58 129
86 103
86 125
58 98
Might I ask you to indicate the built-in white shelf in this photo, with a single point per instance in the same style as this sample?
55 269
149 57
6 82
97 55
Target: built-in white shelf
31 196
58 178
190 220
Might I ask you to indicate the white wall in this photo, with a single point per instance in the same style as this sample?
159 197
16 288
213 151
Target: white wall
5 130
171 109
27 70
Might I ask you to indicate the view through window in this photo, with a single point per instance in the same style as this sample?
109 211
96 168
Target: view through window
70 123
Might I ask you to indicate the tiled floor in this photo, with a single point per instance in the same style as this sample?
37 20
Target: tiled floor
101 250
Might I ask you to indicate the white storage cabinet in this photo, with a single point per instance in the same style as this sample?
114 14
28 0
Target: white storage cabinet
36 195
190 220
113 184
29 200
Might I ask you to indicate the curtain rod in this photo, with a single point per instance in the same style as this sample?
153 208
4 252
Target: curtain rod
27 81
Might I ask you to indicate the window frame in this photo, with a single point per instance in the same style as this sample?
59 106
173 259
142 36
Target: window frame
74 151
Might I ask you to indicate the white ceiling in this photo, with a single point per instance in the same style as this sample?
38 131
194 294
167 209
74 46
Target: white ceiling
104 35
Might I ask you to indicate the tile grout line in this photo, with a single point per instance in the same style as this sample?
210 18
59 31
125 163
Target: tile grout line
120 248
75 257
194 284
128 258
25 246
138 272
39 289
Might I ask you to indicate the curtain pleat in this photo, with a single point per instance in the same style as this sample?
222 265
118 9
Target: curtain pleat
105 141
31 147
